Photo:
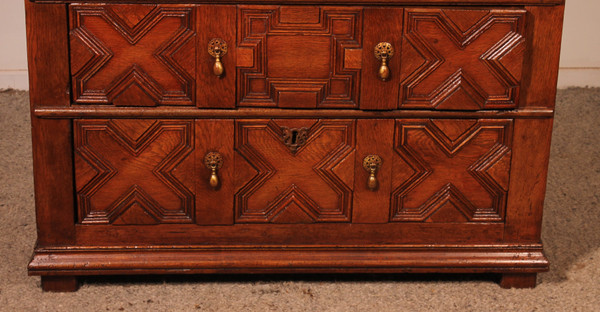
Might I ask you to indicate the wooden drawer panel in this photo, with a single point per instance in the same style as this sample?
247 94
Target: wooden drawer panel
294 171
133 55
460 59
450 171
134 171
303 57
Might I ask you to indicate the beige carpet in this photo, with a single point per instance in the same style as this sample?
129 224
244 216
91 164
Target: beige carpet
571 236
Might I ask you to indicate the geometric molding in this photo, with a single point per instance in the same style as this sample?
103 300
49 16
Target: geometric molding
451 171
133 55
462 59
128 171
273 39
312 184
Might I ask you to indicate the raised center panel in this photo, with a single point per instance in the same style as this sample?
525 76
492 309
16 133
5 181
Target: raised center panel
457 59
299 57
133 55
451 170
294 171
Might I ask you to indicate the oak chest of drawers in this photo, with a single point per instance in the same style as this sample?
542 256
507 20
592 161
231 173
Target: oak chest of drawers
257 136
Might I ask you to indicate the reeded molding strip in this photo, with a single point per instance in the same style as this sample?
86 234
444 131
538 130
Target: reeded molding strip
192 112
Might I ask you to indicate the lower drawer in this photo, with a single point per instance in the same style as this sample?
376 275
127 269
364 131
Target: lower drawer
298 181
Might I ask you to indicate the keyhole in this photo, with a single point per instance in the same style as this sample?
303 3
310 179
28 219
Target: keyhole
294 136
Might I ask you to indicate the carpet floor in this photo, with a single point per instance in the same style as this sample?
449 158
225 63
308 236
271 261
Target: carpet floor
571 238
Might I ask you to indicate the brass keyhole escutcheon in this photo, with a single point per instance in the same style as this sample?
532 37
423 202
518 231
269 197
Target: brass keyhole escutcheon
294 138
383 52
217 47
372 163
214 162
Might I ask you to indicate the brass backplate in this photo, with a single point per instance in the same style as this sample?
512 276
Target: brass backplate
213 160
372 162
217 47
384 48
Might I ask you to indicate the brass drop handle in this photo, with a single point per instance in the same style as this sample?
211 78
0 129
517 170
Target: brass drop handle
371 163
383 52
214 162
217 47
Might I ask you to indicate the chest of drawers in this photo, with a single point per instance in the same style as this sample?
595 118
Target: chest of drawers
291 136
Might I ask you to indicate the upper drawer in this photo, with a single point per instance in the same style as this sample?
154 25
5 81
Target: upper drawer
225 56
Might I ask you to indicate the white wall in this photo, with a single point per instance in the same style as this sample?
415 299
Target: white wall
13 58
580 59
580 55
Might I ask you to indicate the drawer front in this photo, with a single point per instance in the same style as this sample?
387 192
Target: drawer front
297 56
291 181
458 59
133 55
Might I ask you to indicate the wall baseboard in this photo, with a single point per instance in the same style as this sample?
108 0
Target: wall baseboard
578 77
14 79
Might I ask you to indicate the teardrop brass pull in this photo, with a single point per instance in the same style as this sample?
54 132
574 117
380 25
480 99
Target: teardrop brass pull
371 163
217 47
383 52
214 162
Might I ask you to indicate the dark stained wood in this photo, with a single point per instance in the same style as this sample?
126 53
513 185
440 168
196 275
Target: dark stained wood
53 181
457 59
543 56
373 137
60 283
47 54
47 48
214 206
450 171
154 112
531 147
518 280
463 127
216 21
381 25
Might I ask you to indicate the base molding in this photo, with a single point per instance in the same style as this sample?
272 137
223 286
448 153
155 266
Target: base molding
88 261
